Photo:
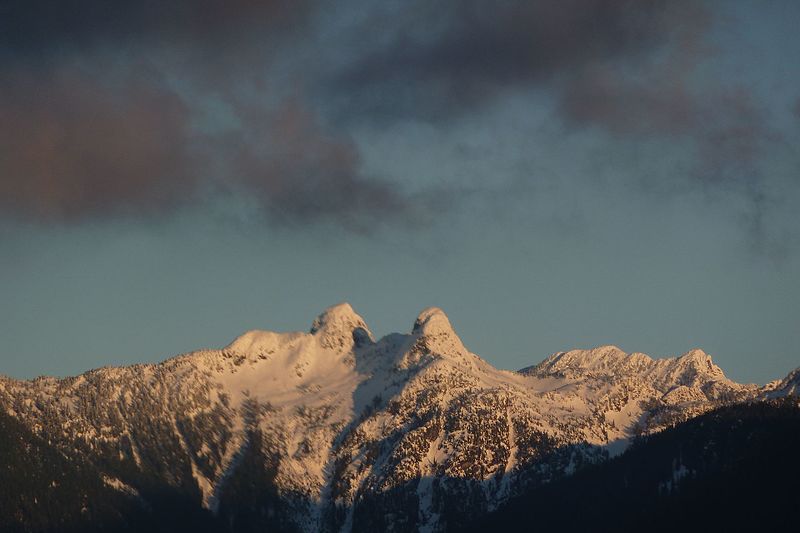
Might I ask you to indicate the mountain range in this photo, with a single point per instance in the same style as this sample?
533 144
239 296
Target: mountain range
334 430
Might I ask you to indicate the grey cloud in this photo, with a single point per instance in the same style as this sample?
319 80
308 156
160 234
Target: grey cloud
100 106
53 27
300 171
442 58
625 105
625 69
726 127
126 141
725 124
73 147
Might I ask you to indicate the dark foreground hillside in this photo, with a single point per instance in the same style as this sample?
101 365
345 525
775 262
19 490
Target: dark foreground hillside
42 490
734 469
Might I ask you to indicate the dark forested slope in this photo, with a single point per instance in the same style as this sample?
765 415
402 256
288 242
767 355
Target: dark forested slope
43 490
734 469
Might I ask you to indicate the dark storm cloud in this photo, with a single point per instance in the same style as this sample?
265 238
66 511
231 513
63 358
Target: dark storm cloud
99 110
434 59
72 146
55 26
130 107
300 171
624 69
208 43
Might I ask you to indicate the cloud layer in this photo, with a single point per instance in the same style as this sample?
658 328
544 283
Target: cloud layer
136 108
72 146
437 58
100 109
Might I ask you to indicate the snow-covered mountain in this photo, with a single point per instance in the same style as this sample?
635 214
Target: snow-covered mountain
344 432
790 385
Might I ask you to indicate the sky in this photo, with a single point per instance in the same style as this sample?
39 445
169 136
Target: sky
554 175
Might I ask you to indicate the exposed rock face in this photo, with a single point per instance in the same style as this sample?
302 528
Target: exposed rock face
347 433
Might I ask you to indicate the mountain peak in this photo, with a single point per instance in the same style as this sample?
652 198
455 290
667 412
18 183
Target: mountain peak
603 359
786 386
700 361
336 314
696 354
340 326
432 321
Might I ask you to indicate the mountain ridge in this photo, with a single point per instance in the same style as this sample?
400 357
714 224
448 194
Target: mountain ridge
342 423
256 339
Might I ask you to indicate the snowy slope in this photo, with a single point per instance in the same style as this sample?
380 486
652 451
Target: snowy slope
790 385
412 424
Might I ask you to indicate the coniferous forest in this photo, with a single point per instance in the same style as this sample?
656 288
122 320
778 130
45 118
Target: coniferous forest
733 469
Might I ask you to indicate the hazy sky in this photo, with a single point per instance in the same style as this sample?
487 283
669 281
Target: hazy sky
554 175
